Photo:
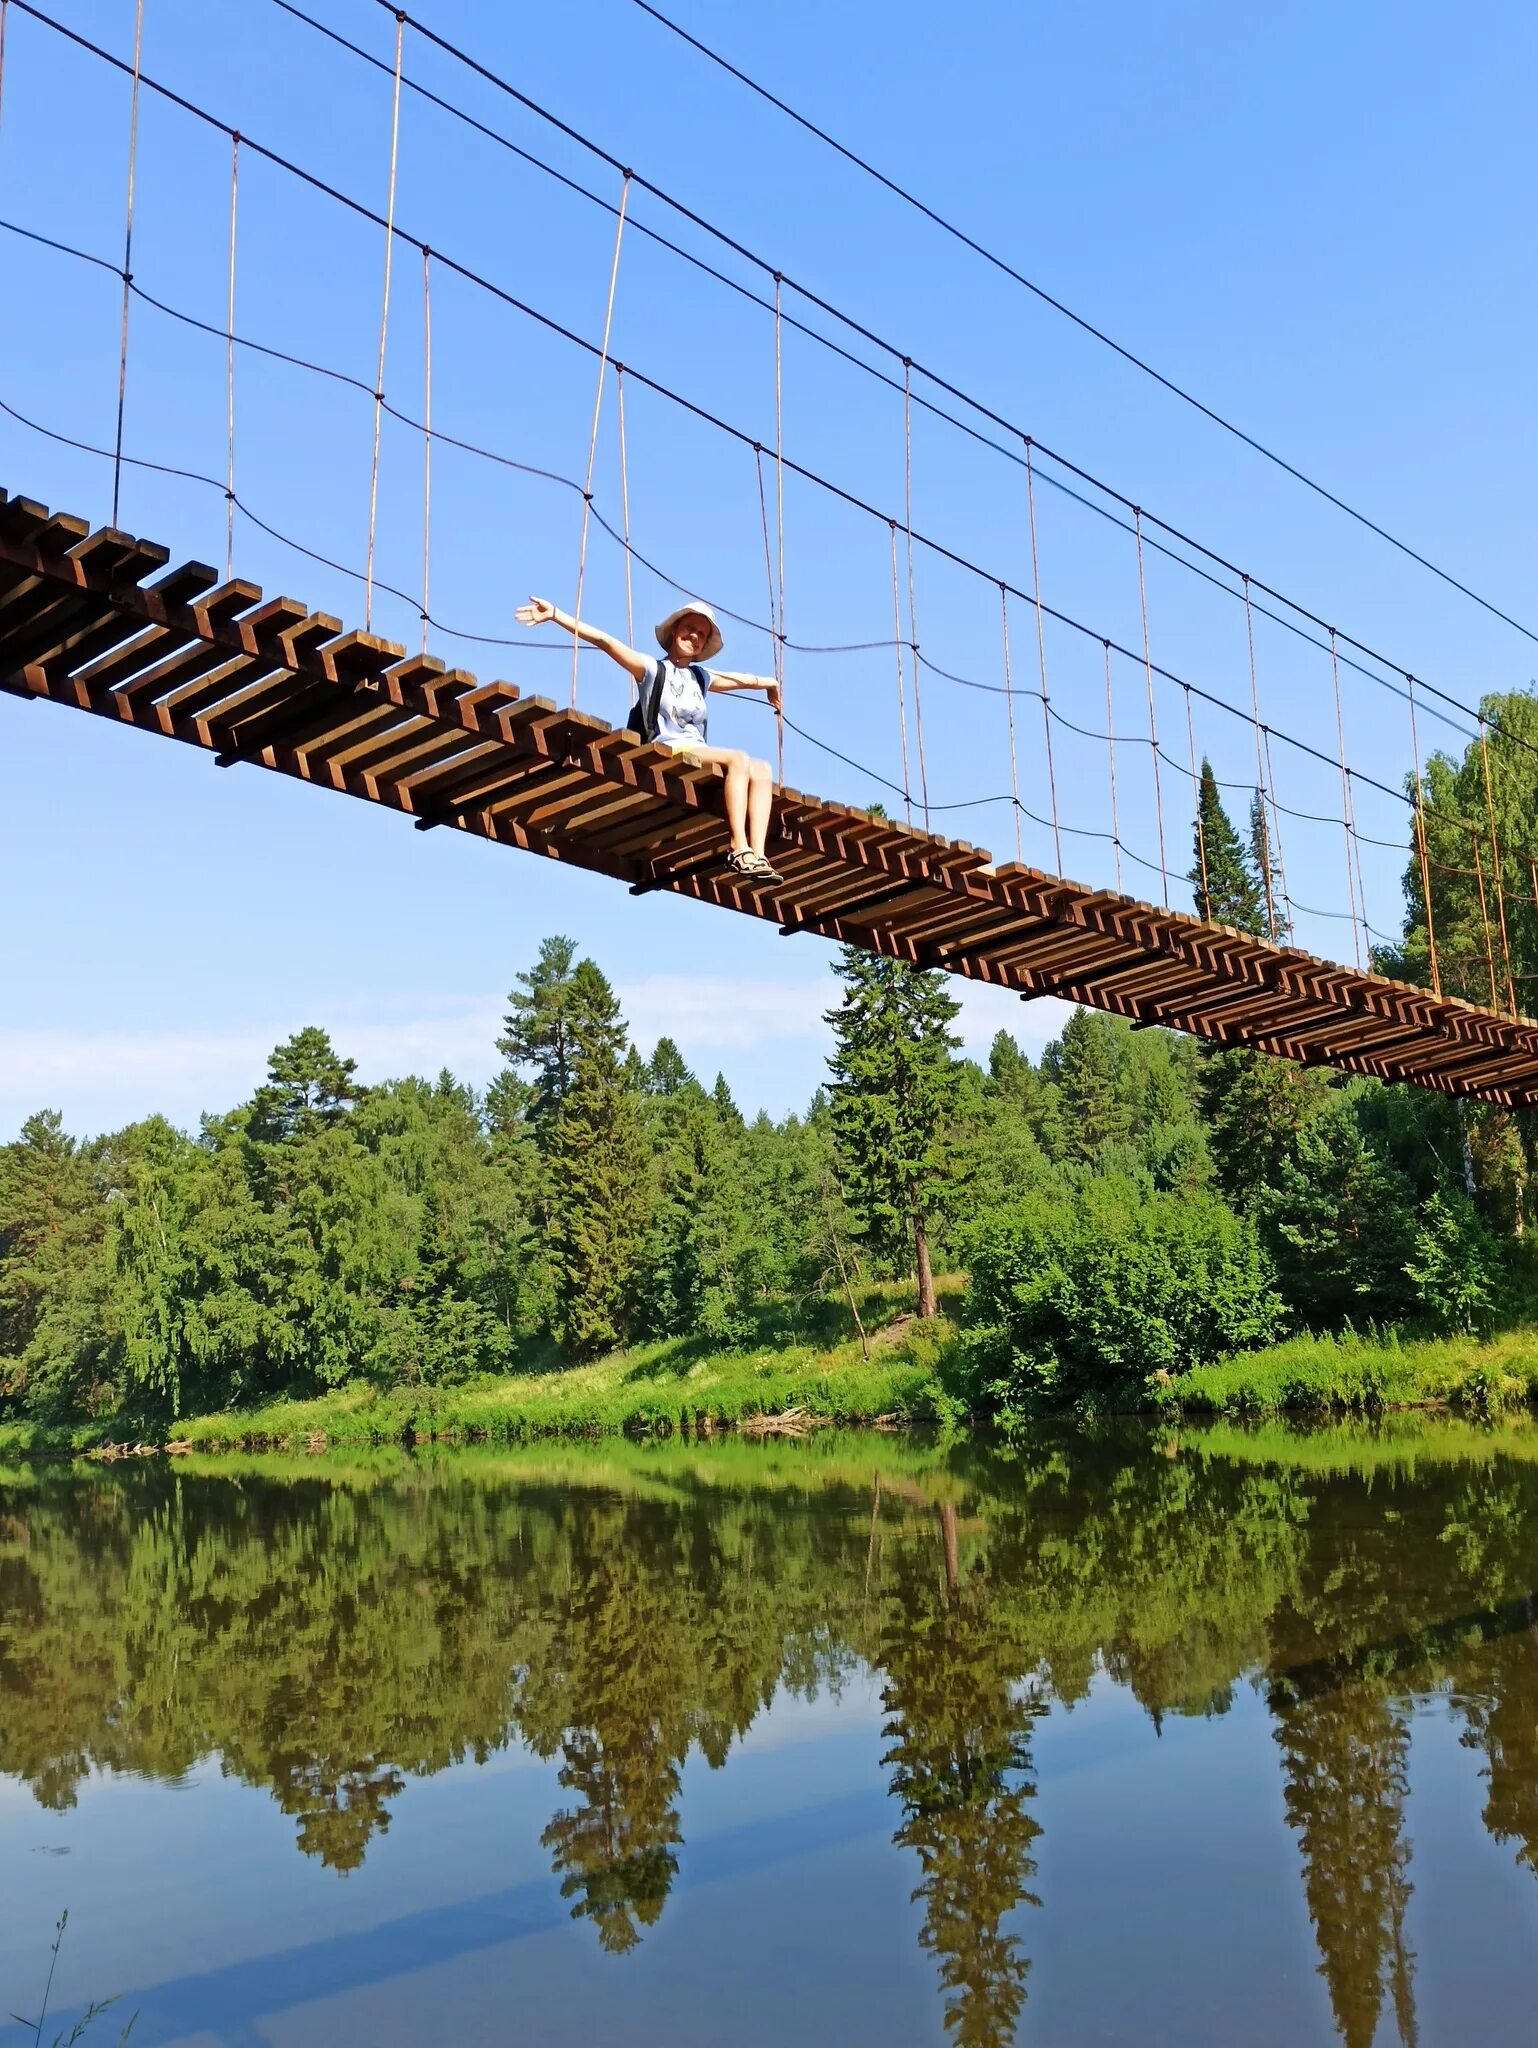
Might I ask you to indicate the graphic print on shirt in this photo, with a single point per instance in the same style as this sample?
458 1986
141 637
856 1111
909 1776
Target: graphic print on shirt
681 706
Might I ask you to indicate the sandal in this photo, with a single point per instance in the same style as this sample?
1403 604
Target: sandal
752 866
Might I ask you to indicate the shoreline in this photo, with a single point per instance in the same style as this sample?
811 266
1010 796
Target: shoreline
914 1376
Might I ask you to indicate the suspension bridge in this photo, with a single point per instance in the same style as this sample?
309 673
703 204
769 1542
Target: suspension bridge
92 619
269 682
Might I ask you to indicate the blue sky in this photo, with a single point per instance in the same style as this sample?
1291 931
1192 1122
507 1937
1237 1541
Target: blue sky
1317 218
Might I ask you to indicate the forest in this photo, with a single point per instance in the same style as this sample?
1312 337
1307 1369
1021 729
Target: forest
1127 1206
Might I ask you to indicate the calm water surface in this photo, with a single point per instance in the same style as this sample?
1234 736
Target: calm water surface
1217 1738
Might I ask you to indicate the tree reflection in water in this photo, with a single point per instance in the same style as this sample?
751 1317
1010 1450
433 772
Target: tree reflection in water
330 1632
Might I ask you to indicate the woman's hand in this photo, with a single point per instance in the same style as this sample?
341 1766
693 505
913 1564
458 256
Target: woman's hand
772 692
539 611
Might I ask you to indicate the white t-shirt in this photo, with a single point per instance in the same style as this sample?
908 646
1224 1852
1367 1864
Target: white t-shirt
681 706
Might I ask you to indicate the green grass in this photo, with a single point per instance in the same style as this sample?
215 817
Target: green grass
655 1389
1365 1375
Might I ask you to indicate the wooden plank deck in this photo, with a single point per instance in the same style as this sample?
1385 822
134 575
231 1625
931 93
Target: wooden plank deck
93 621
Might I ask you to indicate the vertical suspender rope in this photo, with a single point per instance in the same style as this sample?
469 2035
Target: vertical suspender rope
1361 884
1345 797
1110 744
1484 913
5 14
624 513
1153 729
384 327
1276 819
774 609
1495 864
779 516
1260 772
1196 791
913 630
1009 707
592 444
427 439
897 648
1041 653
229 369
128 244
1420 842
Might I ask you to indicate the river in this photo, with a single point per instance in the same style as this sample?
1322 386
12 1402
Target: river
1153 1737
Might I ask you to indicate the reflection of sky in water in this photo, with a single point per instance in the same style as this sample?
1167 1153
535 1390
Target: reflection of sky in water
1176 1903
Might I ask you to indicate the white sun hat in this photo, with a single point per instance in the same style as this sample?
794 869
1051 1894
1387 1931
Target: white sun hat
665 629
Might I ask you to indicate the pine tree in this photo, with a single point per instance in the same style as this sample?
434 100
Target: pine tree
537 1030
309 1086
597 1172
894 1090
1222 877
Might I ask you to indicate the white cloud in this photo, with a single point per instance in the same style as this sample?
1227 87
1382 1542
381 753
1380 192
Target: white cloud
767 1036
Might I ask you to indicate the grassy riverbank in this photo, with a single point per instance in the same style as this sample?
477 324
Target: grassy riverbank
912 1374
1359 1375
654 1389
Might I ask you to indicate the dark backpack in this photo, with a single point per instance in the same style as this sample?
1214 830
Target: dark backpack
645 712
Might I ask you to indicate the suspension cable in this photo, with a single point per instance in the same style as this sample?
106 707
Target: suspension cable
1420 844
1138 362
592 443
1260 773
1276 808
1153 729
1484 916
1495 864
1345 799
1009 710
779 518
913 628
229 371
1201 823
128 246
384 324
624 513
939 382
897 649
1147 662
1041 648
427 439
763 521
508 298
1110 740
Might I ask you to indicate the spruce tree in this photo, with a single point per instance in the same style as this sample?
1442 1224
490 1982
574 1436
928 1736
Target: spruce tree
597 1174
894 1090
1222 877
667 1072
537 1031
1267 867
1086 1063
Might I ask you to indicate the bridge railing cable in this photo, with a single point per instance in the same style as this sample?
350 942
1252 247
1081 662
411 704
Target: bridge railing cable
1058 305
1015 436
775 627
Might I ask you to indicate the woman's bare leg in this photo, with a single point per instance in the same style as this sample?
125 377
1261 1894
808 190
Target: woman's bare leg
760 803
737 789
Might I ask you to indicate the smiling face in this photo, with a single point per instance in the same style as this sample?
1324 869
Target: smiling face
691 636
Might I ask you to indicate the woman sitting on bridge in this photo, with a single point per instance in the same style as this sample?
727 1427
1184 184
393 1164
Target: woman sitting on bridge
671 710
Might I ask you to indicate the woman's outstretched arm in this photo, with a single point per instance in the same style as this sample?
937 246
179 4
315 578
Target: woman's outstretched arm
540 612
729 679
